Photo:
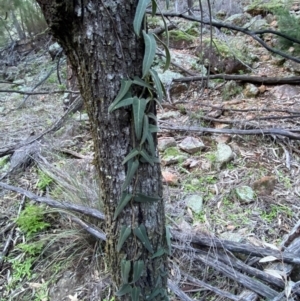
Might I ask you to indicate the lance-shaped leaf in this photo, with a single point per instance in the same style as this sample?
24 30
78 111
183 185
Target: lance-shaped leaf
168 237
130 173
146 157
140 197
123 202
134 152
158 84
158 253
125 86
167 4
125 270
138 267
139 15
152 116
153 128
150 49
154 7
123 103
151 144
140 82
138 107
125 289
141 234
135 294
145 129
155 293
167 53
124 233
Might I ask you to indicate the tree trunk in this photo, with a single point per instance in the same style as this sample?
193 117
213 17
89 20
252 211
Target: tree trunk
100 43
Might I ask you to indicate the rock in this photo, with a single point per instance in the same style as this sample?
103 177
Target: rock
245 194
195 202
224 154
285 91
167 76
265 185
223 139
165 142
173 155
232 236
80 116
168 115
170 178
238 19
191 145
19 82
11 73
251 90
292 66
54 50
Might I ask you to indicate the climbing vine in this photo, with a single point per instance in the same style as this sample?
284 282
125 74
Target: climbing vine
145 125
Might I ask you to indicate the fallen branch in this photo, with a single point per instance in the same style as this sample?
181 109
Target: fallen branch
293 80
253 34
61 205
38 93
280 132
213 242
54 127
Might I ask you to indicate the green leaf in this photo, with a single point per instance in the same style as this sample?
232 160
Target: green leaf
153 128
123 103
154 7
138 106
139 16
130 173
123 202
145 129
159 253
158 84
125 270
167 4
141 234
134 152
167 53
151 144
124 233
150 48
138 267
155 293
139 197
125 86
135 294
152 116
168 237
125 289
140 82
147 157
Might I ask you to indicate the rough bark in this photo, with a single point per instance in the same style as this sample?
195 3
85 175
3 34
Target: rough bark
98 38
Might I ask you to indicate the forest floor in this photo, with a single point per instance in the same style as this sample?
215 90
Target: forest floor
55 260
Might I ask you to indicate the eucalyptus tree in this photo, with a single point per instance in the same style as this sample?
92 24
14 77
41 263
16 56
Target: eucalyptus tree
111 53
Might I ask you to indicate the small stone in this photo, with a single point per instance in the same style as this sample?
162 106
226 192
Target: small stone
232 236
224 154
245 194
165 142
265 185
168 115
172 155
251 90
223 139
191 145
170 178
195 202
262 89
